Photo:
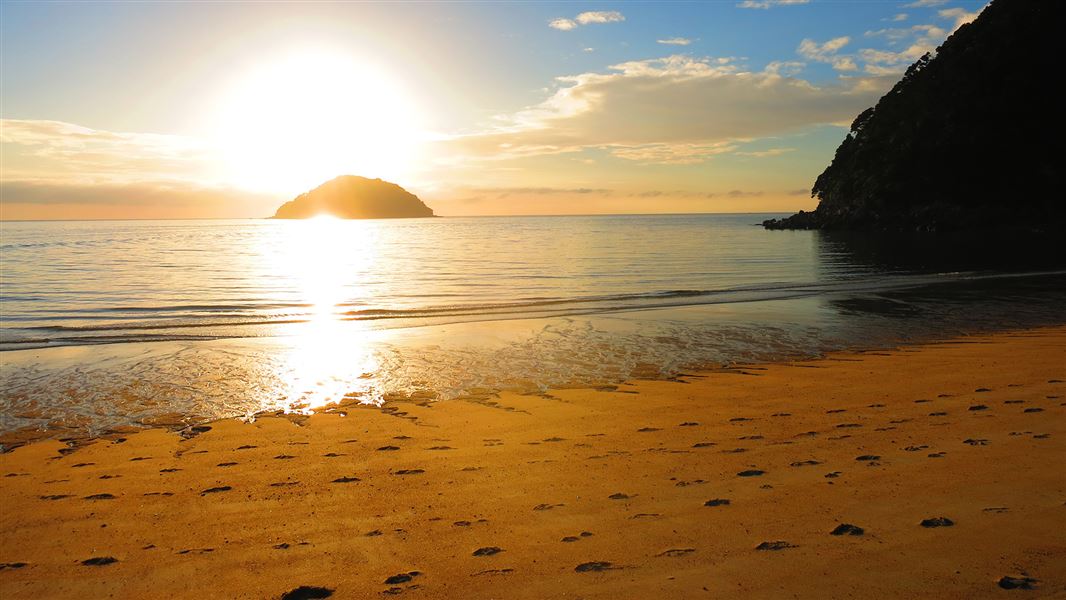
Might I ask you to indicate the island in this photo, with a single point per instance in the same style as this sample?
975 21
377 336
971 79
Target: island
353 197
967 139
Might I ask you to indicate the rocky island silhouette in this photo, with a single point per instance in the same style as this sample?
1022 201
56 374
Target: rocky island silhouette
354 197
967 139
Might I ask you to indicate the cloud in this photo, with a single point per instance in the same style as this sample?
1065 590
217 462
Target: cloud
765 4
786 68
675 41
34 149
765 153
925 3
672 154
504 192
35 199
960 16
562 24
900 17
605 16
827 53
916 41
673 110
586 18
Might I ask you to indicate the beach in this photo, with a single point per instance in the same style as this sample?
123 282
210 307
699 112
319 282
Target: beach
923 471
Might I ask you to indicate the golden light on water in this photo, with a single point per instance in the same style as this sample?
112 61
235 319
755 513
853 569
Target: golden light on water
305 117
329 358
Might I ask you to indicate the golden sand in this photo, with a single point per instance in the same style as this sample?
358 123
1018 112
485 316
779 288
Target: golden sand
653 490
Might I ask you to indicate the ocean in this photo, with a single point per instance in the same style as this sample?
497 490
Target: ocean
108 324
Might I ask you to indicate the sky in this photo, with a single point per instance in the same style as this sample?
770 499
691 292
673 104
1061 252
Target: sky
226 109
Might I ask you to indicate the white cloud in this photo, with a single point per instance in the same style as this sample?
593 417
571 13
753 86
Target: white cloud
605 16
562 24
827 53
588 49
675 41
900 17
914 42
768 152
765 4
959 16
37 148
586 18
674 110
784 67
925 3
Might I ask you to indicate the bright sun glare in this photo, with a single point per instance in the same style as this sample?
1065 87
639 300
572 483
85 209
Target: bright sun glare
294 122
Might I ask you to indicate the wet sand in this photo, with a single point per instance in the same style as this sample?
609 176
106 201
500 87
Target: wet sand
927 471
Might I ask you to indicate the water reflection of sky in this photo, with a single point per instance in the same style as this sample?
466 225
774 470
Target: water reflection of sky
326 359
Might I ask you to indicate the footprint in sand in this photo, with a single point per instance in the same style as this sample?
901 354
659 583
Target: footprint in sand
804 463
751 473
402 577
284 457
1018 583
388 448
56 496
847 529
246 447
594 567
547 506
937 522
648 429
975 442
717 502
215 490
487 551
703 444
99 561
100 497
832 475
226 464
676 552
619 496
13 565
345 480
307 592
977 407
776 545
689 424
938 414
867 457
1033 410
409 472
835 411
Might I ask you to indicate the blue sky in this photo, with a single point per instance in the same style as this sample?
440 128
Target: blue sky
469 75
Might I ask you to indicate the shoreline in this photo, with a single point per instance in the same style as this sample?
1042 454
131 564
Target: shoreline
679 483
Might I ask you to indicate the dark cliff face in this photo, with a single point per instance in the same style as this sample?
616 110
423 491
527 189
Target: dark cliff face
967 139
351 197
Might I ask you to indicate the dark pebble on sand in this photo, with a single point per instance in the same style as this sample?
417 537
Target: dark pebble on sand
1018 583
401 578
777 545
847 529
307 592
487 551
99 561
937 522
570 538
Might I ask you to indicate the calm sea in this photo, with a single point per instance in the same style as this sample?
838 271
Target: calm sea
134 322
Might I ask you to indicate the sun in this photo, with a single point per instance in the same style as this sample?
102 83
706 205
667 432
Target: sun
301 118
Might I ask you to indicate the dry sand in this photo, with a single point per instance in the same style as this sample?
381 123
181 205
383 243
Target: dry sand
728 484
